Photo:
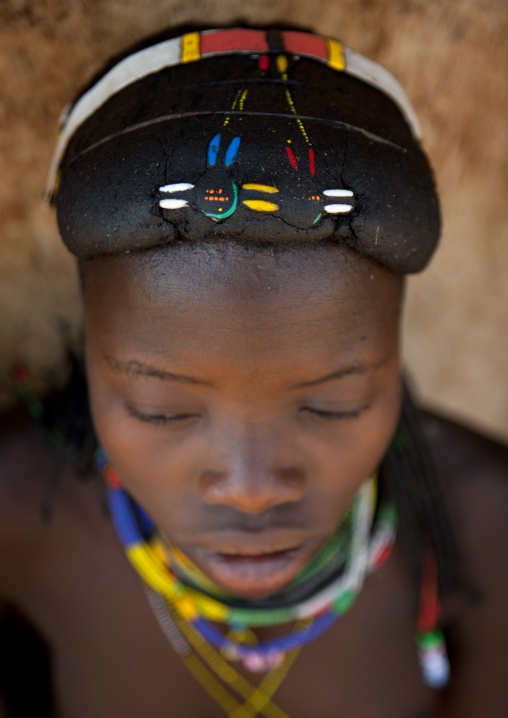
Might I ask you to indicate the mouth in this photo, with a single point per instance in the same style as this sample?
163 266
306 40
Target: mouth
254 573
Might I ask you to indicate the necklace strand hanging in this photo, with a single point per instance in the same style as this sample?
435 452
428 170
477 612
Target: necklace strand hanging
209 667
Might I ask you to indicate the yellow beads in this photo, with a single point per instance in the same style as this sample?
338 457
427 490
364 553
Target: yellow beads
256 700
151 571
215 611
187 608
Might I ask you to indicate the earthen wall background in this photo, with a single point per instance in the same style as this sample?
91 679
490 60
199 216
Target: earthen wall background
452 59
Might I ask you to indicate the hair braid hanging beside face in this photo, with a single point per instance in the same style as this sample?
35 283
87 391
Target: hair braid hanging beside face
409 476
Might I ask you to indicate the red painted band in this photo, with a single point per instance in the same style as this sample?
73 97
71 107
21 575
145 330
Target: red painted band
234 39
303 43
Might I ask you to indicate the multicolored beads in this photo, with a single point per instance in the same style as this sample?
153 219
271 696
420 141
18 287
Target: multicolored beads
433 658
367 549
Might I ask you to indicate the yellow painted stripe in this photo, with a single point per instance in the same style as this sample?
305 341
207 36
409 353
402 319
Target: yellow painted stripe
335 54
260 187
191 47
260 205
282 63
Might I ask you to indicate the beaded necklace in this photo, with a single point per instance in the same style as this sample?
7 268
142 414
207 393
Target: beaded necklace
185 609
329 561
198 609
136 533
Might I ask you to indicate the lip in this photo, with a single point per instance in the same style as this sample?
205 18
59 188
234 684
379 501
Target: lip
255 572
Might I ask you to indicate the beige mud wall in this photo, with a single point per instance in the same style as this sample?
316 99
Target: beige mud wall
452 58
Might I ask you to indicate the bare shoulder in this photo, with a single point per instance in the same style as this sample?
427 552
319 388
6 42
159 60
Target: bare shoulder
27 463
474 474
26 460
46 505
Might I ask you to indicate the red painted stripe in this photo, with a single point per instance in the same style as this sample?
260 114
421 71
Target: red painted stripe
291 157
264 63
311 162
234 39
303 43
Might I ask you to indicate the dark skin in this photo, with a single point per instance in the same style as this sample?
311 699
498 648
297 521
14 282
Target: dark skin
241 457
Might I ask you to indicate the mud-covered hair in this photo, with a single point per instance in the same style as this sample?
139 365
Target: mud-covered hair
273 136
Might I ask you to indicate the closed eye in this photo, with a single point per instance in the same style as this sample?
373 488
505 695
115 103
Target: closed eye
334 415
163 418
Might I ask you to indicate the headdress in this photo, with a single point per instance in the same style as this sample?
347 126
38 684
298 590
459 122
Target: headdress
267 136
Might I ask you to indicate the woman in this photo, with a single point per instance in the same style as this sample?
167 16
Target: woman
244 205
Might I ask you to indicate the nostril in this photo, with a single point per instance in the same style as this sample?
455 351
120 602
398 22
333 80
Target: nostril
294 481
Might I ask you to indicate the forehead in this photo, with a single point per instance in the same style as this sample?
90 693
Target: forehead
252 279
232 300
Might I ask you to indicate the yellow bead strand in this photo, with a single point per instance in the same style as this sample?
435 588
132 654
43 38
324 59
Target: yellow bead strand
257 699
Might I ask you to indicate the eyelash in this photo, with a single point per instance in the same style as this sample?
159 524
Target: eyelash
336 415
159 419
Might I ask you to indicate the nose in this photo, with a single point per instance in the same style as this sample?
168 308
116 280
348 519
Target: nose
252 480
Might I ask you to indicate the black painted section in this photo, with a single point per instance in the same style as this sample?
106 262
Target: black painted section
158 131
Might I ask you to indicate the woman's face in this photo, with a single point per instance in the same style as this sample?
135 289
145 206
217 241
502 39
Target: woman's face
243 396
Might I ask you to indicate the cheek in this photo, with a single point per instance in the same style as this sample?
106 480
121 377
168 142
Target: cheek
150 462
356 448
159 478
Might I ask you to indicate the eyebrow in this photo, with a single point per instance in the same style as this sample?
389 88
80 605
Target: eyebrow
341 373
134 367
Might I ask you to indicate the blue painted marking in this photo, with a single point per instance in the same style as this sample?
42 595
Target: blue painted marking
213 150
232 151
